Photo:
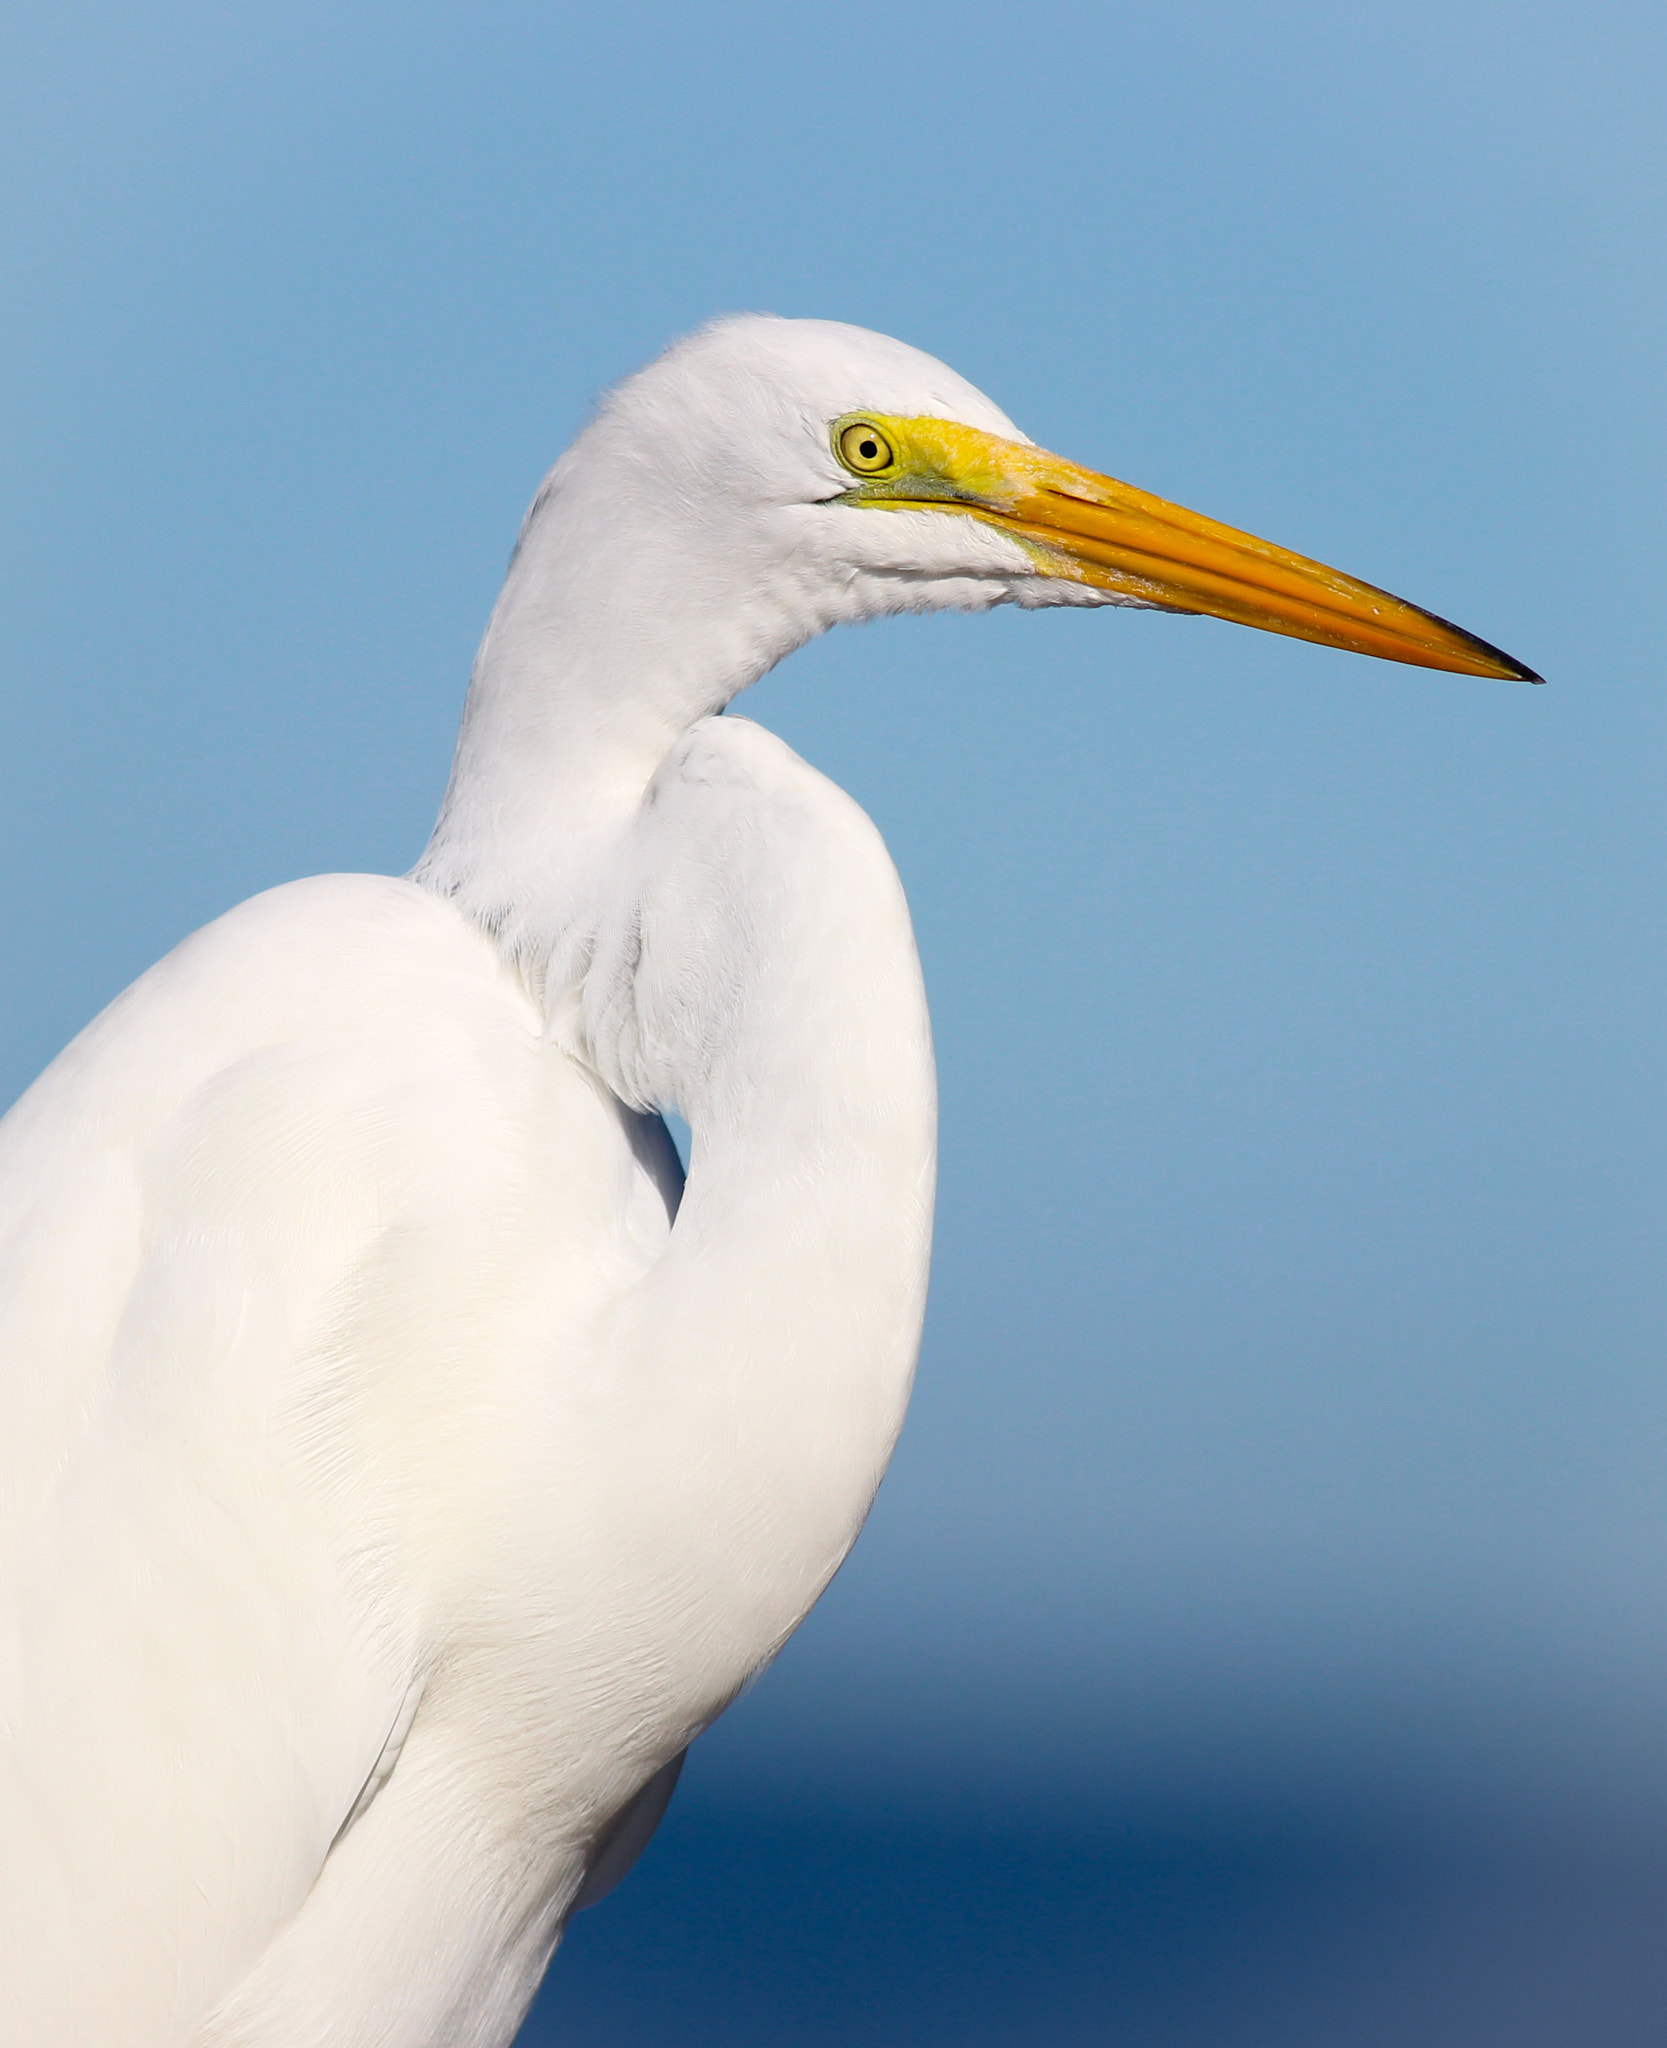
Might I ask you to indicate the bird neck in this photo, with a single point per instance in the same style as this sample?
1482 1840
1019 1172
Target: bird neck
597 657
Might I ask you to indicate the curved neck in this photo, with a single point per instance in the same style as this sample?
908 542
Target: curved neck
600 651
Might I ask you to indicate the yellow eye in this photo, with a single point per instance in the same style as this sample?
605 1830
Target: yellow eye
865 449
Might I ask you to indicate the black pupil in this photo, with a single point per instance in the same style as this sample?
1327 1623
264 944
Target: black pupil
868 450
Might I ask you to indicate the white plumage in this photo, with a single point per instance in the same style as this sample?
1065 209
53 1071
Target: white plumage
395 1477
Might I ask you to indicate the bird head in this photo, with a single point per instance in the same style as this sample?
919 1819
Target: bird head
801 473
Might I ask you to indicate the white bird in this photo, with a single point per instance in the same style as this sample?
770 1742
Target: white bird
395 1473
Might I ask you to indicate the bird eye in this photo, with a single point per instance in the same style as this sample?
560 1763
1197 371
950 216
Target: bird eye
864 448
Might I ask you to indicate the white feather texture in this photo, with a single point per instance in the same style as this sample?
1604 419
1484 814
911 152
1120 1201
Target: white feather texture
396 1478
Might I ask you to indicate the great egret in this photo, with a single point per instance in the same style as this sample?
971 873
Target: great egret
397 1473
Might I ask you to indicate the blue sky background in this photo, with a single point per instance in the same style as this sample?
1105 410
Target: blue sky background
1292 1423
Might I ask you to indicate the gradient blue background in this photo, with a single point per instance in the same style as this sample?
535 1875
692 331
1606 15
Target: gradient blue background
1263 1633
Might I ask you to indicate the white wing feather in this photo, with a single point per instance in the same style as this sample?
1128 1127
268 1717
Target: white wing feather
265 1259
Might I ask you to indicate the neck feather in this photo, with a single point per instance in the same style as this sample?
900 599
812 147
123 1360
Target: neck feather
598 655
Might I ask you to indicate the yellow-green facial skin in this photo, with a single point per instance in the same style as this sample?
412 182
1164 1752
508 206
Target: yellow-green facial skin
935 462
1075 523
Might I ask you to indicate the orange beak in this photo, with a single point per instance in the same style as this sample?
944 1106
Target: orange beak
1095 530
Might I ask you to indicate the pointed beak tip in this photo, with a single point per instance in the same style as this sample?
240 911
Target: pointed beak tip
1511 670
